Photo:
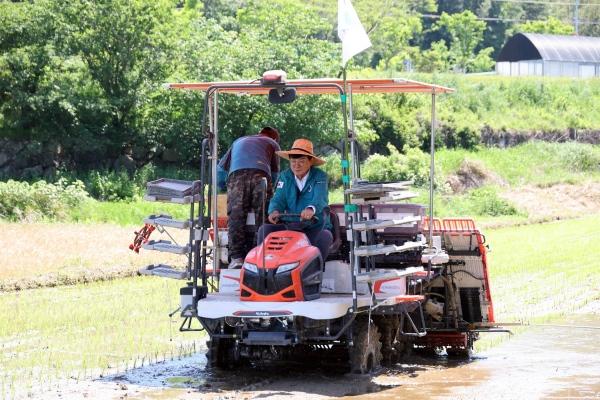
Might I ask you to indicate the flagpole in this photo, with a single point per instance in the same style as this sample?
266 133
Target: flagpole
354 40
348 206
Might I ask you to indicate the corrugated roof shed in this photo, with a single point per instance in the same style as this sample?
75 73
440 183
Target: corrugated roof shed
536 46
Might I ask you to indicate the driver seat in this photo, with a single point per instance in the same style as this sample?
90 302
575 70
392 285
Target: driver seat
335 230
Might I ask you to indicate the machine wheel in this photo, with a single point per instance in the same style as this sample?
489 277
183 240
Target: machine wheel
220 353
388 328
365 355
459 352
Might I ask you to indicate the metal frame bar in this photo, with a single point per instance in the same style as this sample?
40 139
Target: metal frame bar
214 159
188 321
431 168
210 142
404 314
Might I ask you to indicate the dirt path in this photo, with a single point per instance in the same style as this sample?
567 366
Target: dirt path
546 362
43 254
556 202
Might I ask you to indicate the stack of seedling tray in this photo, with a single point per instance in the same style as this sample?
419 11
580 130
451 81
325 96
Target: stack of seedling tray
173 191
364 193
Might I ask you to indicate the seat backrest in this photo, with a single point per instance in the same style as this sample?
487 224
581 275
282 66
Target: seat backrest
335 230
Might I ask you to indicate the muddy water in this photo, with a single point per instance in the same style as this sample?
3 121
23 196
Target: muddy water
549 362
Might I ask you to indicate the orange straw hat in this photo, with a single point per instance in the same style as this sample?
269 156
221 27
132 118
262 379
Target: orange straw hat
302 147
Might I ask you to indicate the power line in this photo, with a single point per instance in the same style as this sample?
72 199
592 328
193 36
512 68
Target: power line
557 3
494 19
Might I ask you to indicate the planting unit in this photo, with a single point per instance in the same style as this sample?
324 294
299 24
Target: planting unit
395 279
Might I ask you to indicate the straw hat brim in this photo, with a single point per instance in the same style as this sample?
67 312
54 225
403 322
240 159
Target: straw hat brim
314 161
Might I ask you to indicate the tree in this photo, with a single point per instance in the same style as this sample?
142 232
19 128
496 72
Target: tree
589 13
434 59
25 51
392 41
124 45
552 26
466 33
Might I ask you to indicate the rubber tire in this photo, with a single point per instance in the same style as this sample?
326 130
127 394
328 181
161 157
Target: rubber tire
459 353
388 328
219 353
365 355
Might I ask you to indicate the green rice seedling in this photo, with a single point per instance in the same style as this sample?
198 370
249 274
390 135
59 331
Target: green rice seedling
544 269
89 328
542 272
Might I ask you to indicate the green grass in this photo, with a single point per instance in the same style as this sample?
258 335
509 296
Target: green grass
526 104
85 330
125 213
534 163
482 202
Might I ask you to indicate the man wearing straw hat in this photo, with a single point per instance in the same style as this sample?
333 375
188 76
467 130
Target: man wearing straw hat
302 189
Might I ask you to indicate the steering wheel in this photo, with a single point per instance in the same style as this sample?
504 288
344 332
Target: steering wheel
293 222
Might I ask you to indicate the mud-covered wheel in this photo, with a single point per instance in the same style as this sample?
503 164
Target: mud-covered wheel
459 352
365 355
388 328
220 353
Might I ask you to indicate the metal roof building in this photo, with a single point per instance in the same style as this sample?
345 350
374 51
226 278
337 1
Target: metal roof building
550 55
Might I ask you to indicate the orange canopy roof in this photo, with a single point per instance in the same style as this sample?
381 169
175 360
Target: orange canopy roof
320 86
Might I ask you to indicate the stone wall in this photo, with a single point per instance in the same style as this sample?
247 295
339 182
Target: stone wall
26 160
502 138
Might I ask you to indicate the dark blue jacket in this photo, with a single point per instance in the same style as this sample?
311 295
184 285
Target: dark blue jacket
252 152
288 199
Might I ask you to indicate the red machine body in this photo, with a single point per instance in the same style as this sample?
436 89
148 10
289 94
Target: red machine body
285 267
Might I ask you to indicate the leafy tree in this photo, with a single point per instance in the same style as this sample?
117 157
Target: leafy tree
222 11
279 34
393 40
591 14
24 54
552 26
437 58
287 35
483 61
466 33
124 46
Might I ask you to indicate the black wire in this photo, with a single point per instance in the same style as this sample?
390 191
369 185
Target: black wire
466 272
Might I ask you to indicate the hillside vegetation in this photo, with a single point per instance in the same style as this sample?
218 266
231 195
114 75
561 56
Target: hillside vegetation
522 104
81 82
468 183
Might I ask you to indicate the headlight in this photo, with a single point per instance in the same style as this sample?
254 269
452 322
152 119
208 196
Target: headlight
250 267
286 267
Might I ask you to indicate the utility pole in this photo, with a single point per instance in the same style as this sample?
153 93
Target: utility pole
576 17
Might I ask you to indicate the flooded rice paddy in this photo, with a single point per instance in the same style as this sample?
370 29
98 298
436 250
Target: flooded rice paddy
559 361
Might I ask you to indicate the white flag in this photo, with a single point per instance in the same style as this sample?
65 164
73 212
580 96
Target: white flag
350 31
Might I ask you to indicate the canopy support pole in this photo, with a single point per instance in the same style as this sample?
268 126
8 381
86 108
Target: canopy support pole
214 157
431 169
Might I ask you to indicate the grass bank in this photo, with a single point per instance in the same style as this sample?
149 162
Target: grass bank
526 104
537 164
